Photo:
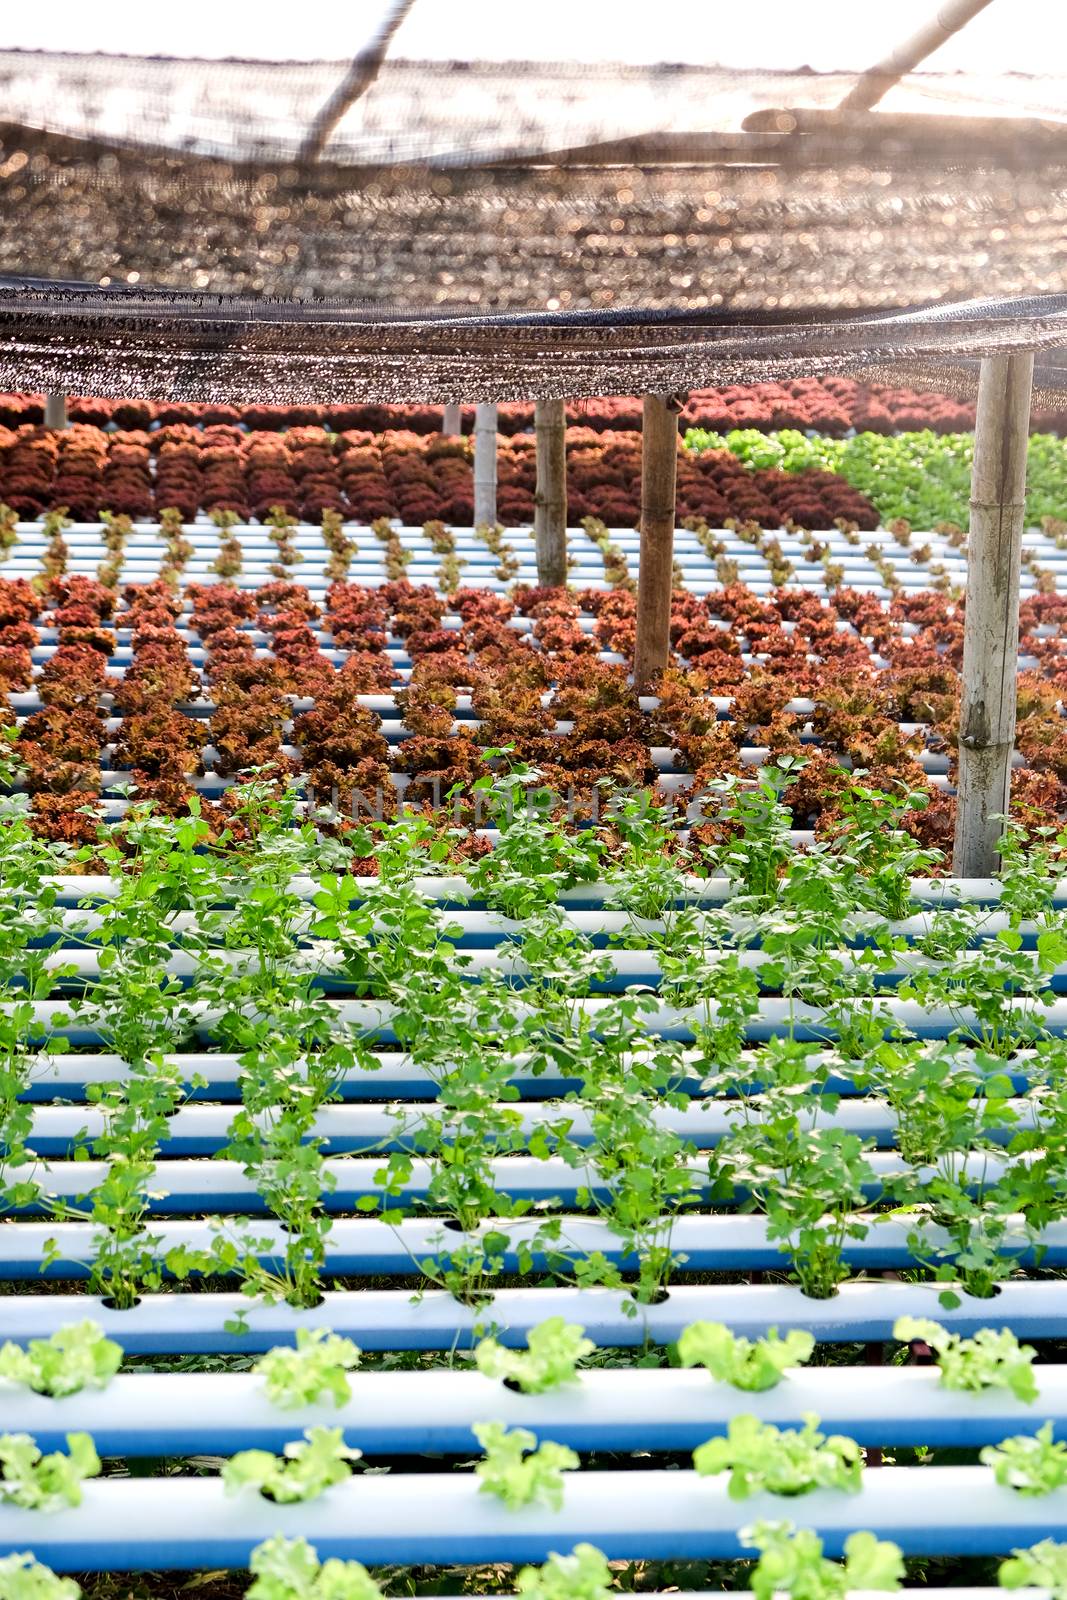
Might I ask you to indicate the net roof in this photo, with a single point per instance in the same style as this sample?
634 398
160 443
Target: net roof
494 230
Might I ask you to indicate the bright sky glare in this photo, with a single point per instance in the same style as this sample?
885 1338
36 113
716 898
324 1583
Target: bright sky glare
1018 35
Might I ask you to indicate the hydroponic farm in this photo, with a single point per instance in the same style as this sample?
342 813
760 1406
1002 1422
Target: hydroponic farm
533 811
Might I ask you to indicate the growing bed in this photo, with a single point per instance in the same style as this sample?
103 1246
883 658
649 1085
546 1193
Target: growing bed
425 1079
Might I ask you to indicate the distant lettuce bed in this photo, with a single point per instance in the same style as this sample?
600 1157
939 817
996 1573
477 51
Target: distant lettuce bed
924 477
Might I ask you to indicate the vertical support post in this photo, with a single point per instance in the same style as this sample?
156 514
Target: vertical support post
659 466
991 626
550 495
485 466
452 421
55 411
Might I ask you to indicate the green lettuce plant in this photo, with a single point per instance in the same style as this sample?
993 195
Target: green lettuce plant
1029 1463
759 1456
317 1366
791 1562
1042 1566
38 1482
76 1356
23 1578
583 1575
555 1348
991 1360
518 1470
745 1364
289 1569
307 1468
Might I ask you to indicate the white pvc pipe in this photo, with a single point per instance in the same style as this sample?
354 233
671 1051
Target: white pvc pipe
202 1129
368 1247
416 1519
937 893
776 1016
391 1319
402 1413
631 966
397 1077
180 1187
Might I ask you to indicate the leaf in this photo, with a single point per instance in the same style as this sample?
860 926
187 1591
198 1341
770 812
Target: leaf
518 1470
76 1356
740 1362
317 1366
583 1575
23 1578
554 1349
872 1563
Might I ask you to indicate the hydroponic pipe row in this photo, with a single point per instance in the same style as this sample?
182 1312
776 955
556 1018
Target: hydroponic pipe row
370 1248
415 1413
184 1523
393 1076
203 1130
224 1322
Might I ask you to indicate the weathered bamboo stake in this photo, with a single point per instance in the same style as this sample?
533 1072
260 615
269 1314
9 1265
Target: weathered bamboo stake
550 494
484 466
55 411
356 81
991 624
659 466
452 421
876 82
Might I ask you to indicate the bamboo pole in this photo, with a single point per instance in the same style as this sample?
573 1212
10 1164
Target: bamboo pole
357 80
484 466
55 411
876 82
550 495
991 625
659 467
452 421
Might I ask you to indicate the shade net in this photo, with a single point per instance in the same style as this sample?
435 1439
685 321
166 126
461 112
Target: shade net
473 231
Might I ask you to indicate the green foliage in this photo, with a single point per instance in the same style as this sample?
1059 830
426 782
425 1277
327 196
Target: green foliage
555 1348
23 1578
791 1562
1030 1463
583 1575
743 1363
991 1360
316 1367
289 1569
923 477
77 1356
518 1470
308 1467
1042 1566
45 1483
759 1456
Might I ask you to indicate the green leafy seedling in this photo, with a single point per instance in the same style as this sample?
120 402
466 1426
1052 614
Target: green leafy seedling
743 1363
1028 1463
316 1367
1042 1566
517 1470
583 1575
76 1356
555 1349
289 1569
23 1578
38 1482
308 1467
759 1456
991 1360
791 1562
